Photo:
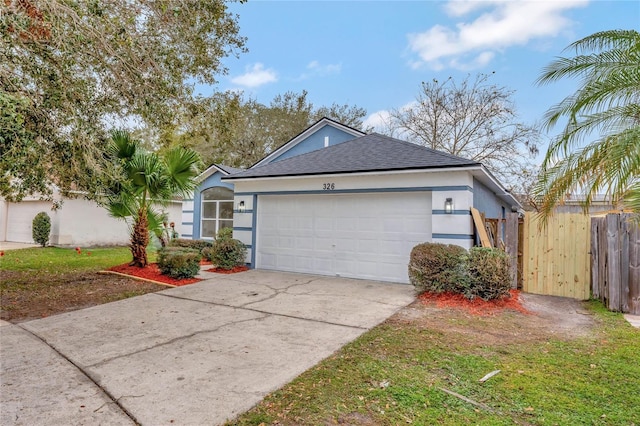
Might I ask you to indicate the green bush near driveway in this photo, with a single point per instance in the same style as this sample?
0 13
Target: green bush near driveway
198 245
437 268
179 262
227 252
482 272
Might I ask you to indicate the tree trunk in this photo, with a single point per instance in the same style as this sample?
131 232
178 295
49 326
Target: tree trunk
140 239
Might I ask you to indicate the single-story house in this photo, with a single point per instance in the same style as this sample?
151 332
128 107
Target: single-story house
77 222
335 201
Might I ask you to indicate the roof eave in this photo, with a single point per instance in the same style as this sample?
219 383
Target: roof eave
352 172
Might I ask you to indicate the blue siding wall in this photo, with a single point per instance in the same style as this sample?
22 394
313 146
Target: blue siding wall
210 182
315 141
487 202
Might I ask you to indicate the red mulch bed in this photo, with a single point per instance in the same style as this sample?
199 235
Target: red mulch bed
229 271
151 272
476 306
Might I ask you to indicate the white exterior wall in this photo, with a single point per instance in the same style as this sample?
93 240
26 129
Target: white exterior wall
78 222
447 228
186 224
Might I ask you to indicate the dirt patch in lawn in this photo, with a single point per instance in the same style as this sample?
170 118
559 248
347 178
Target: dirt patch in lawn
25 296
546 317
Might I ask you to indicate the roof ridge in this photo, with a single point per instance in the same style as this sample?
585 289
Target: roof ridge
435 151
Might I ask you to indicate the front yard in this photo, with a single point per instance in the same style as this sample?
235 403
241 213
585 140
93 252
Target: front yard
552 371
398 373
40 282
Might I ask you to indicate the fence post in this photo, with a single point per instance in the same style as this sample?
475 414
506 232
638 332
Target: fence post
634 269
602 261
613 262
511 245
595 264
625 228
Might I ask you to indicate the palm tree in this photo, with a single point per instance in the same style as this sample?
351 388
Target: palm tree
144 180
599 147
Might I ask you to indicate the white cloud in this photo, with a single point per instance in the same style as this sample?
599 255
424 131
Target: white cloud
255 76
381 120
316 69
378 120
501 24
320 69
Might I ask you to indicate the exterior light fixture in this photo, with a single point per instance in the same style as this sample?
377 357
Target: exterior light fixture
241 207
448 206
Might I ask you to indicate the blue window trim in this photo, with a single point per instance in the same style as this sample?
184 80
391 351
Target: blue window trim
363 190
452 236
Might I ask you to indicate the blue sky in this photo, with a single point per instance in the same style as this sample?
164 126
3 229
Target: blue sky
375 54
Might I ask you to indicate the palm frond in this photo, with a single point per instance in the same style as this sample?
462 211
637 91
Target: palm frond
182 167
605 111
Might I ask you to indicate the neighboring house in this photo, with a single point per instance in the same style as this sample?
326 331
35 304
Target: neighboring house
78 222
334 201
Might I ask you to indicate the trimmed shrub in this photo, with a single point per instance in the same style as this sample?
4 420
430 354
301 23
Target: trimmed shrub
207 253
191 244
41 228
224 234
227 252
487 273
437 267
179 262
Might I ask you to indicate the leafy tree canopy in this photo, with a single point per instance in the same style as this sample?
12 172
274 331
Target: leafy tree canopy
230 129
69 70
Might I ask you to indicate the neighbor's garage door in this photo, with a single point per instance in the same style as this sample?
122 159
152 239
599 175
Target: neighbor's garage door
365 236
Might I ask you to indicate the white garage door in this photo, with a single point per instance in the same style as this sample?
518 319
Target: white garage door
365 236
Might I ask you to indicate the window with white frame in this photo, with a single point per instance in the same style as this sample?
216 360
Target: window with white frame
216 212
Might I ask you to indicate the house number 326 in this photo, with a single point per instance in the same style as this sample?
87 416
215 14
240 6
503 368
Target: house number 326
328 186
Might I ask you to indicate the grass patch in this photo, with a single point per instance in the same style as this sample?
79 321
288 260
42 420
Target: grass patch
39 282
393 374
61 260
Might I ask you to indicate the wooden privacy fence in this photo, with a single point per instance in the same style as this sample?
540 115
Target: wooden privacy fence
555 258
615 262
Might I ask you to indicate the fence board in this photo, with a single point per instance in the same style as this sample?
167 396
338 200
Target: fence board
634 271
511 246
625 226
613 262
595 256
556 257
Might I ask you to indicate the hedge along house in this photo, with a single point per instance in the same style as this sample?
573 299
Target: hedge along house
354 205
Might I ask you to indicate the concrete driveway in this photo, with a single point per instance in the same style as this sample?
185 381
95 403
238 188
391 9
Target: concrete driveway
194 355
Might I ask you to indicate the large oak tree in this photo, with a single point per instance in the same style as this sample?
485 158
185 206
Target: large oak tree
71 70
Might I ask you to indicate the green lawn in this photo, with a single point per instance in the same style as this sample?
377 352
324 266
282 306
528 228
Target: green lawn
61 260
392 375
38 282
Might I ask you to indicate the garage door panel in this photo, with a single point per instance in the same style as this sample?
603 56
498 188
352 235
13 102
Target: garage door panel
365 236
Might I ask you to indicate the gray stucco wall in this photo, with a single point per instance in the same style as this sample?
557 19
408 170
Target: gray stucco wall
487 202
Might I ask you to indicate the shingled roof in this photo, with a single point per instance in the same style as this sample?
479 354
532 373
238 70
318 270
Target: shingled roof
367 153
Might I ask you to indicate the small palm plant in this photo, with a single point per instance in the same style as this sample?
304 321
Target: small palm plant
143 180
